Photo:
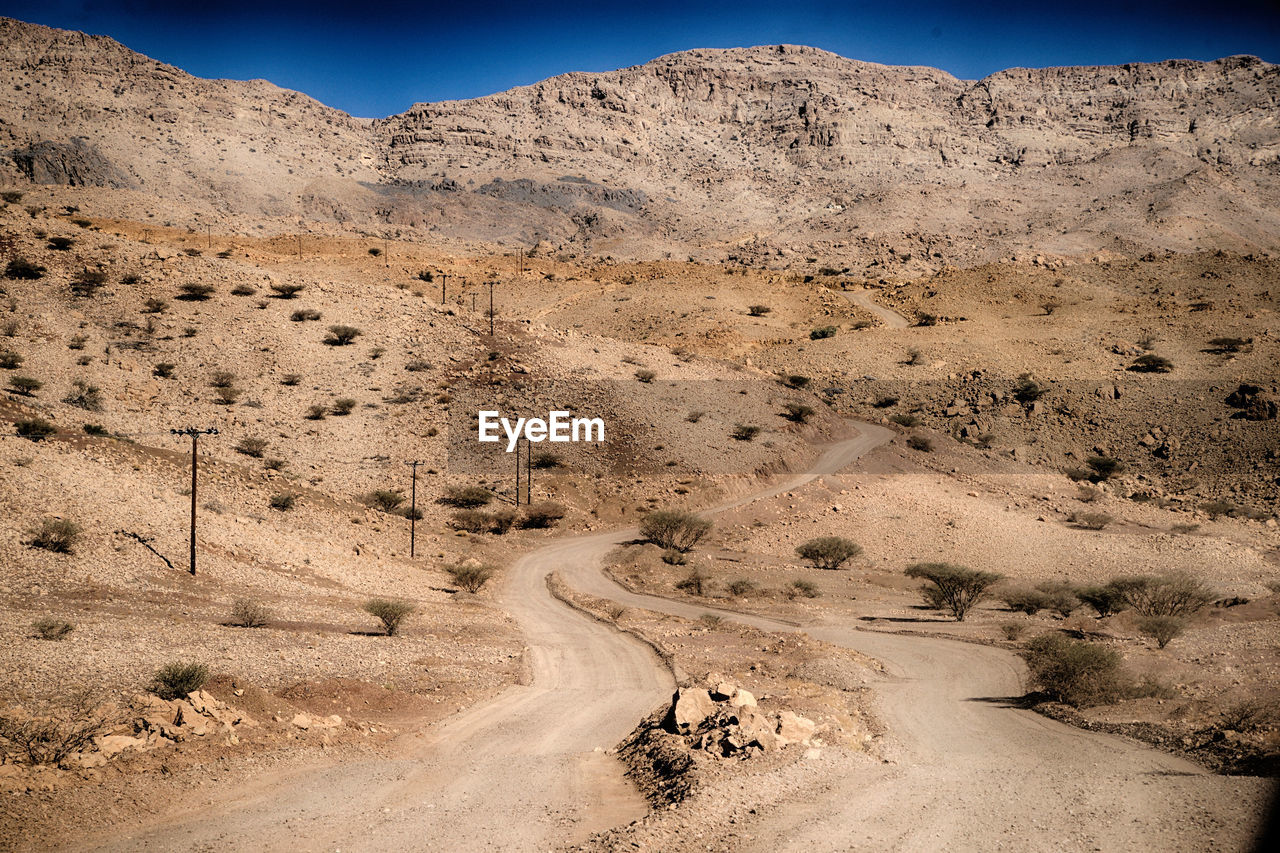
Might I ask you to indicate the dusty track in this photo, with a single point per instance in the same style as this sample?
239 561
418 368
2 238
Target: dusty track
521 771
888 316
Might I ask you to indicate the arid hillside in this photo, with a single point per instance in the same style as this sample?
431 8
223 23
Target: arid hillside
762 154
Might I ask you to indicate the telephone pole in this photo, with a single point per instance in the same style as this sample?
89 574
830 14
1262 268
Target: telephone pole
491 309
528 484
517 473
443 279
413 507
195 437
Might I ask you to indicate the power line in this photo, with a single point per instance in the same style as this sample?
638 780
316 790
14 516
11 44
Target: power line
195 437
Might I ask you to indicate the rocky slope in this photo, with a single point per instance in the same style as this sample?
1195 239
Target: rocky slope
745 153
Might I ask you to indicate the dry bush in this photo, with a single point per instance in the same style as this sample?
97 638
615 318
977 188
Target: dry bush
56 534
196 291
695 583
546 459
163 370
282 501
303 315
287 290
905 419
798 412
828 552
10 360
247 613
1105 600
673 528
741 587
645 376
1012 630
386 500
542 514
795 380
672 557
1028 601
21 268
316 412
88 282
1151 363
744 432
466 497
919 442
252 445
1076 672
48 628
822 332
955 588
25 385
694 416
51 734
243 290
470 577
341 336
391 612
222 379
1091 520
35 429
226 396
1162 629
1173 594
803 589
153 305
1060 597
470 520
342 406
177 679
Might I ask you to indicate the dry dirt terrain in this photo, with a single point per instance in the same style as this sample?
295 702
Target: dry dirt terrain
1024 325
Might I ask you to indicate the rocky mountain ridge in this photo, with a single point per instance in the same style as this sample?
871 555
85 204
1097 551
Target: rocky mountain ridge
762 154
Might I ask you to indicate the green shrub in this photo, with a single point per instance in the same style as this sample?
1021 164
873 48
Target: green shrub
1162 629
798 412
340 336
905 419
919 442
282 501
466 497
57 535
741 587
1173 594
48 628
758 310
542 514
177 680
956 588
828 552
35 429
803 589
195 291
21 268
673 528
252 445
25 385
470 576
10 360
822 332
390 612
1076 672
1028 601
84 396
1061 597
744 432
287 290
247 613
385 500
1151 363
1105 600
645 376
342 406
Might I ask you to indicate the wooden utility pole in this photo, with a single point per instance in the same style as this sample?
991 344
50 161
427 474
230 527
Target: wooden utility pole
517 473
443 279
528 484
208 230
413 508
491 309
386 251
299 245
195 437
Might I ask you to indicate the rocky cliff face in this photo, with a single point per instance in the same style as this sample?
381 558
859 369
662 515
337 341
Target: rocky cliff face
743 152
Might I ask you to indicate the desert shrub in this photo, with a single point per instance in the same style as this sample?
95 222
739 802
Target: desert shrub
1103 468
51 736
885 401
195 291
758 310
803 589
741 587
1162 629
744 432
252 445
48 628
178 679
152 305
924 318
417 365
695 583
88 282
247 613
502 520
694 416
96 430
243 290
10 360
545 459
77 342
11 196
287 290
645 376
672 557
226 395
1076 672
385 500
905 419
390 612
822 332
61 244
673 528
1027 389
1088 494
342 406
34 428
1151 363
542 514
21 268
303 315
798 412
222 379
1091 520
466 497
190 331
828 552
282 501
290 379
470 520
1028 601
340 336
1012 630
84 396
795 380
316 412
25 385
470 576
958 588
919 442
1173 594
1105 600
711 620
56 534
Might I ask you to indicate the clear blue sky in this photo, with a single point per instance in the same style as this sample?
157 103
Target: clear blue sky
376 59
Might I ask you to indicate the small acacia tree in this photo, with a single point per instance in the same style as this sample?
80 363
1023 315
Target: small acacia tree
675 529
1077 672
829 552
390 612
952 587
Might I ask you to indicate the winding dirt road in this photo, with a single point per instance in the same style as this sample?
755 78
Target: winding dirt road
527 770
888 316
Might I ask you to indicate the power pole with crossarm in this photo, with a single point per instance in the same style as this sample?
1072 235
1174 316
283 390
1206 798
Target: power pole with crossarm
195 437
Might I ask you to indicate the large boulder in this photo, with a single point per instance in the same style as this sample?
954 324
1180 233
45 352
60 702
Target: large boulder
793 728
689 707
